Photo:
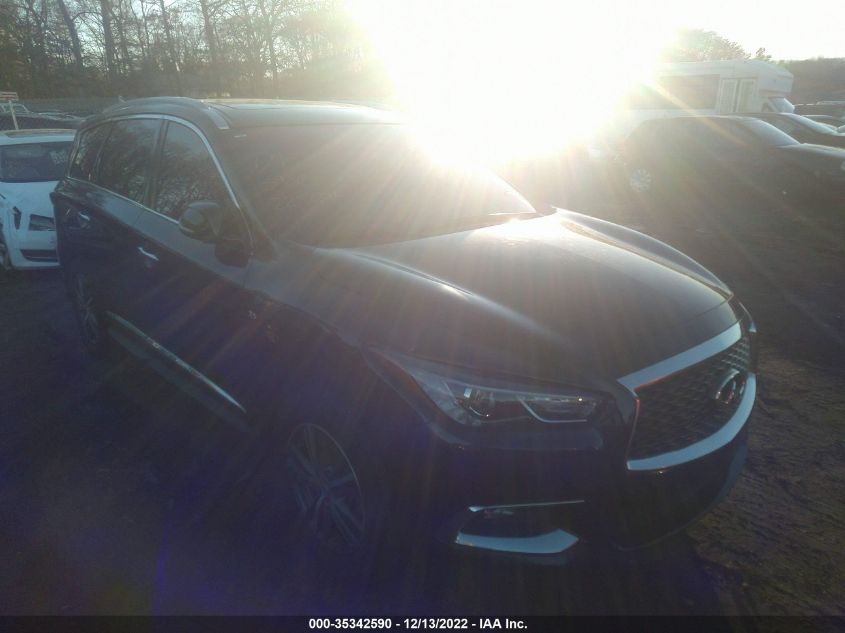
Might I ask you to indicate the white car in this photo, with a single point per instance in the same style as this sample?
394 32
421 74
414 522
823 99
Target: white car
31 161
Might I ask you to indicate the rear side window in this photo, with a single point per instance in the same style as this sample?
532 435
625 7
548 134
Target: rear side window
126 156
90 142
186 173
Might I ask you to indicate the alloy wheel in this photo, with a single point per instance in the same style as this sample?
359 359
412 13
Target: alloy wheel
640 180
326 488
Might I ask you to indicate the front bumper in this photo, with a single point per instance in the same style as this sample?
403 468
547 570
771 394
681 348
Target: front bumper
543 506
630 511
30 249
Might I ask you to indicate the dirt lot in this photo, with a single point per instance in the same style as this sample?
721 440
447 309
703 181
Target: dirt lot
777 544
116 498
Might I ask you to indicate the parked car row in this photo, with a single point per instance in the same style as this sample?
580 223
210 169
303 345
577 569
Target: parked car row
834 122
829 108
37 121
764 153
802 129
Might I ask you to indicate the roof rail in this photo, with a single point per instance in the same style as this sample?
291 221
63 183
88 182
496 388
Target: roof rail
194 104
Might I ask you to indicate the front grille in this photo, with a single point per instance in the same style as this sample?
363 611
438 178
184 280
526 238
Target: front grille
39 254
680 410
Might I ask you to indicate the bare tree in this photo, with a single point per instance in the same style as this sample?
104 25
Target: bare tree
70 25
171 48
108 38
200 47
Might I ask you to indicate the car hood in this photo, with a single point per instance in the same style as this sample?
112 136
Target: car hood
29 197
555 298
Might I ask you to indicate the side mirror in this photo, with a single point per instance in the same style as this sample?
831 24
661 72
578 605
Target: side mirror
202 220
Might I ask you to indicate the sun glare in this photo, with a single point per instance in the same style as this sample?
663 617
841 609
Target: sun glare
498 80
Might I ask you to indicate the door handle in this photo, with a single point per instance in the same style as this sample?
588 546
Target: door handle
73 216
151 258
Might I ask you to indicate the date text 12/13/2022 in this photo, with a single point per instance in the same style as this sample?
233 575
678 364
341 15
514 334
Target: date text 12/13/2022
417 623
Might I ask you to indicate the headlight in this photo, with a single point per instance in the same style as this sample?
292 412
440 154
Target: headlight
41 223
481 402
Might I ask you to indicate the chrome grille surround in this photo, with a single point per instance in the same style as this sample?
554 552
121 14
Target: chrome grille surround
678 419
680 410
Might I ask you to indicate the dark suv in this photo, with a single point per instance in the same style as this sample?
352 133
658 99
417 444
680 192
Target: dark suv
713 156
417 347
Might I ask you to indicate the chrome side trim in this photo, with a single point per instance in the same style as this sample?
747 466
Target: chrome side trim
211 152
674 364
122 197
173 358
555 542
720 438
521 506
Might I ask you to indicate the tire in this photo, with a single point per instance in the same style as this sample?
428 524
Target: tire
641 180
339 497
89 316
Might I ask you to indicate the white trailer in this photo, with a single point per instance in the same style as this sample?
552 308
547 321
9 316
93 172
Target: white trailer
721 87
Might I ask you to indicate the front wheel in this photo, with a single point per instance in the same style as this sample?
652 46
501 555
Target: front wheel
641 180
327 490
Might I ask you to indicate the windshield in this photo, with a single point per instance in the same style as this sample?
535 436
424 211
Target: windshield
360 184
768 133
34 162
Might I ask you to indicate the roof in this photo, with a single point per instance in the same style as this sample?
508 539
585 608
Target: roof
237 113
772 114
697 117
723 65
17 137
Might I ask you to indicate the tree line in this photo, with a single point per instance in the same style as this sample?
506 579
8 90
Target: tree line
260 48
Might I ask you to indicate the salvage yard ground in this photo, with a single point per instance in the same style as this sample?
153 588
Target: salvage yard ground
115 499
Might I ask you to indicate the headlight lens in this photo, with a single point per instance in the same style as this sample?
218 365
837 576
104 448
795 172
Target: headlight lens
41 223
485 402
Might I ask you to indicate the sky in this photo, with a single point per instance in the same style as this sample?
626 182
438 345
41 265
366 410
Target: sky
787 30
522 74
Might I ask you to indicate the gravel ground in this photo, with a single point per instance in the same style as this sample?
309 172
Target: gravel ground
777 544
117 497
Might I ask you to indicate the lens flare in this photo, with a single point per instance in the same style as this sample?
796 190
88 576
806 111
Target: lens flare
494 81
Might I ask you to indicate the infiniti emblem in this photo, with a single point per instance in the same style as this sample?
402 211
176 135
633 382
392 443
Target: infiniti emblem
730 388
